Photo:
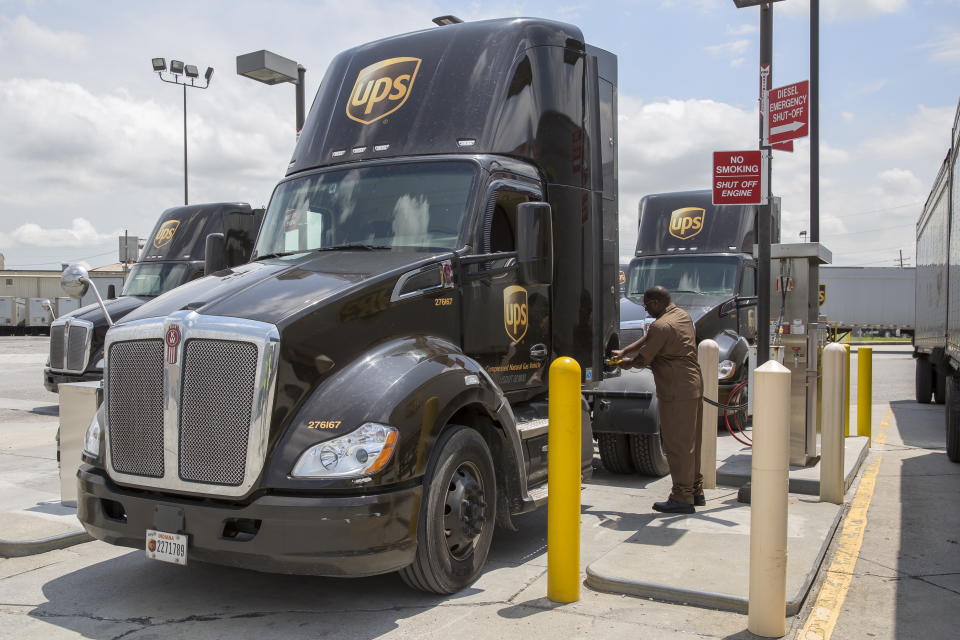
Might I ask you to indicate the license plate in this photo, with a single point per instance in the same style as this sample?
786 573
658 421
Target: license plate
167 547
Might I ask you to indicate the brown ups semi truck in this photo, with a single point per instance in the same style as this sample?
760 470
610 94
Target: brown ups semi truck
369 393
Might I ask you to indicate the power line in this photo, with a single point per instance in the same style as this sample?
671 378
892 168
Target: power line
59 262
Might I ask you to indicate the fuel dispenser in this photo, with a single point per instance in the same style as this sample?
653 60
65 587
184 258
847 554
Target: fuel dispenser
795 324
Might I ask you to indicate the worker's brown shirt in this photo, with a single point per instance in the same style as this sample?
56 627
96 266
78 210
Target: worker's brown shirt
669 348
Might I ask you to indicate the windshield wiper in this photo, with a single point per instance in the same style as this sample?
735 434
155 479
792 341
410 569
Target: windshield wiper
363 247
699 293
278 254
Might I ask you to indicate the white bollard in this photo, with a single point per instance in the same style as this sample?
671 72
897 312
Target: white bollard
832 425
766 610
708 355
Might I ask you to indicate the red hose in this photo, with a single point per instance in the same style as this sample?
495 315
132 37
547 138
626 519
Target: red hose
734 398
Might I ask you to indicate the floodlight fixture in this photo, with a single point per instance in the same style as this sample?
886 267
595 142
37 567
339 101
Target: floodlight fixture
743 4
159 64
269 68
208 74
176 67
442 21
190 70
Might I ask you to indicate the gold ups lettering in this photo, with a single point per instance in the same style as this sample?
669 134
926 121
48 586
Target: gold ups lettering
686 222
381 89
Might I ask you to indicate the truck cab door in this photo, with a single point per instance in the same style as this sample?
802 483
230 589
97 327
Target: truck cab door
506 323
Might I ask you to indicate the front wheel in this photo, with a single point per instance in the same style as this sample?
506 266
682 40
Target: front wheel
457 514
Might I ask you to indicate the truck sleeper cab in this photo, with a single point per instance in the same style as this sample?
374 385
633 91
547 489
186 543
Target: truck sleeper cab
174 254
369 394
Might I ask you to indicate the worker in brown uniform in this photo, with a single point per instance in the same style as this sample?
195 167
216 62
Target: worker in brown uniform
669 348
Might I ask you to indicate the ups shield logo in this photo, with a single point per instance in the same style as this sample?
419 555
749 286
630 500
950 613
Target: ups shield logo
687 222
381 89
515 318
165 233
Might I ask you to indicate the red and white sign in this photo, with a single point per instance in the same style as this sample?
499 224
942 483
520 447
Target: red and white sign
789 112
737 177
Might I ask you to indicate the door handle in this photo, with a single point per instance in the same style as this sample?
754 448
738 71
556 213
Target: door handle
538 352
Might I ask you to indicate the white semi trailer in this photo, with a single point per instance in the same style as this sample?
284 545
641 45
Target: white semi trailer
868 298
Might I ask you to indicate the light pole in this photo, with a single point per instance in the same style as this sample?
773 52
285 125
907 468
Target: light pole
269 68
764 212
178 69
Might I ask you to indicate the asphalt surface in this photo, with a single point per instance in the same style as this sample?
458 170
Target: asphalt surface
98 591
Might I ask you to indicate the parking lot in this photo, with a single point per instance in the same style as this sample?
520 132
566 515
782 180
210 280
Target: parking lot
95 590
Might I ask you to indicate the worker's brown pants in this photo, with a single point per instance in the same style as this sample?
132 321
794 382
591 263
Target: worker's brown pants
680 429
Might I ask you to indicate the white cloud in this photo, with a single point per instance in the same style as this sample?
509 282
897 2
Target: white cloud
900 183
925 134
667 146
735 47
80 234
847 116
23 33
837 10
742 30
946 49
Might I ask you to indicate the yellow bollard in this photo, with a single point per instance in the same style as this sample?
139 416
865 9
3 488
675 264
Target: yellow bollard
846 391
563 482
865 393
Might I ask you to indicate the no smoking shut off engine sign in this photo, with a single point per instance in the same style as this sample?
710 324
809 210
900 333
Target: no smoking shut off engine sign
737 177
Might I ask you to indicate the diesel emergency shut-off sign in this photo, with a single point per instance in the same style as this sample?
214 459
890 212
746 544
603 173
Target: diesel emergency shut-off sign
737 177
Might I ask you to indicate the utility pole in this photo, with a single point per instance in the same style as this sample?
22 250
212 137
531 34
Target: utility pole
764 211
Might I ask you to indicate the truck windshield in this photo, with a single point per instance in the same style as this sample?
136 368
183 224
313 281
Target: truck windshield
409 205
704 275
154 278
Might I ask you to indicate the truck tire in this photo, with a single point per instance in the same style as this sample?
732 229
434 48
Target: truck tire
924 381
458 514
952 413
939 387
646 449
615 452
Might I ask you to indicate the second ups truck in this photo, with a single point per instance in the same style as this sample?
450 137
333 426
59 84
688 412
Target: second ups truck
702 253
173 255
369 394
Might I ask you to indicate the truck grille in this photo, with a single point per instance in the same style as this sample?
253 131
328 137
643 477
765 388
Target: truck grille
215 410
189 398
70 345
135 406
56 346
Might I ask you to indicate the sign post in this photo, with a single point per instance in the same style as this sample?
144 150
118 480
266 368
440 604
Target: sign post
739 178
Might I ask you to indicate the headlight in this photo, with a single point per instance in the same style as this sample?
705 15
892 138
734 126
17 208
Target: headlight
359 453
99 364
726 370
91 442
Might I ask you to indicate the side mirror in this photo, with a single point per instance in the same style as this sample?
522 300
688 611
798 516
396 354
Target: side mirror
112 292
535 242
74 280
215 254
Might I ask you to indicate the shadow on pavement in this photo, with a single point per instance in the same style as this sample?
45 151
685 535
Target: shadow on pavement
927 565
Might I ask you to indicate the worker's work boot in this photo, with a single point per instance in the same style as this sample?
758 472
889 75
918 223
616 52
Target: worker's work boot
699 500
673 506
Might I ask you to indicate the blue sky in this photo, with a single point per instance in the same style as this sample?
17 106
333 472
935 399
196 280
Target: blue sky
92 140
